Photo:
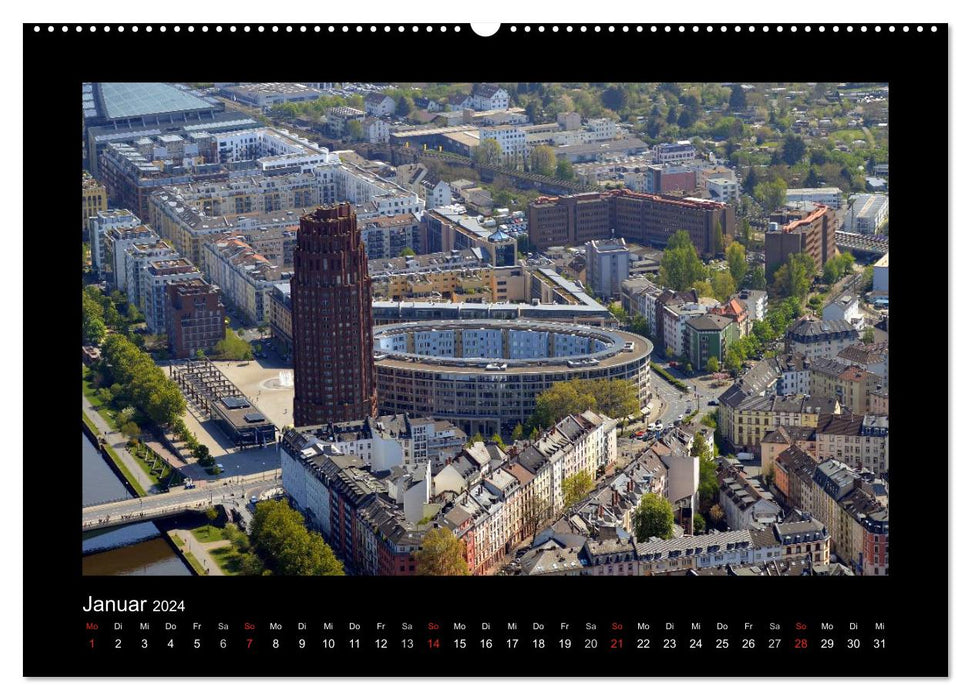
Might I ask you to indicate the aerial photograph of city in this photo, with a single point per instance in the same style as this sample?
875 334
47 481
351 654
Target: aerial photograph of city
485 329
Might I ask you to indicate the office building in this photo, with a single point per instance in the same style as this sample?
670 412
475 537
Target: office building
333 347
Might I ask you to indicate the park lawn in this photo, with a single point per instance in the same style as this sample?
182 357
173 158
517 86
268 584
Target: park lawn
227 558
206 533
92 394
146 467
848 135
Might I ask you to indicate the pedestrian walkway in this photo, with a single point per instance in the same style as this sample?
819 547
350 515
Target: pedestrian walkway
117 442
201 551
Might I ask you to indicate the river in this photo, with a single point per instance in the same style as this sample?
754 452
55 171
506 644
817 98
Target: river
131 550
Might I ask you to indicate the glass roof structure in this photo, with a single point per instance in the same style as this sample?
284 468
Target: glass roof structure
135 99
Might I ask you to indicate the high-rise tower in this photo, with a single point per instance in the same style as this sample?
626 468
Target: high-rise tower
330 294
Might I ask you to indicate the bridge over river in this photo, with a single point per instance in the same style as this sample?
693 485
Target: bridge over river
226 492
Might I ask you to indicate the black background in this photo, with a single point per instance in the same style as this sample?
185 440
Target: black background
912 600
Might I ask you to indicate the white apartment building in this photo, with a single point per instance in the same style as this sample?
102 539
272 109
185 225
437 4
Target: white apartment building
98 227
376 131
119 241
511 139
867 213
674 152
602 129
832 197
272 149
487 97
136 259
722 189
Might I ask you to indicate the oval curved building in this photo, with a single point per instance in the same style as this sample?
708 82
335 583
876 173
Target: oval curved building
484 376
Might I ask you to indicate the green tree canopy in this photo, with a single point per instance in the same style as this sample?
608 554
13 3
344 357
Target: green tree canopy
576 487
793 149
654 517
707 481
564 169
680 266
542 160
614 397
794 277
441 554
488 153
232 347
771 194
737 264
282 541
757 280
737 101
712 364
355 130
722 285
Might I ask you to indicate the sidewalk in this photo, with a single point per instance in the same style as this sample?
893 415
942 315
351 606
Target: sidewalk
201 551
117 442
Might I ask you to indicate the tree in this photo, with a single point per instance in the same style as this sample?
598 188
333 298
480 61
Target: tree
737 264
283 543
232 347
441 554
355 130
517 432
771 194
564 169
211 515
474 439
716 514
812 179
542 160
793 149
868 335
680 265
699 524
131 430
758 278
750 182
654 517
737 101
487 153
614 98
831 271
616 398
406 251
794 277
722 285
497 438
92 320
712 365
618 311
707 479
404 106
576 487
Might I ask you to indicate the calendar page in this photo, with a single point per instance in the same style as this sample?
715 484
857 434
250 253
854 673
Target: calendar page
559 351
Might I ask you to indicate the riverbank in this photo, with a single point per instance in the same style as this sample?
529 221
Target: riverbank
111 457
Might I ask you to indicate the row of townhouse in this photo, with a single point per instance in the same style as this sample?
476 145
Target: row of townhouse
799 539
493 516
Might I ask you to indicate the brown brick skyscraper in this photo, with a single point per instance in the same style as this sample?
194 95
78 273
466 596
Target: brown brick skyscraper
330 295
